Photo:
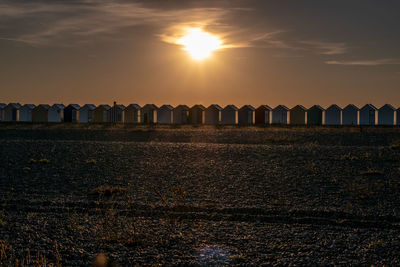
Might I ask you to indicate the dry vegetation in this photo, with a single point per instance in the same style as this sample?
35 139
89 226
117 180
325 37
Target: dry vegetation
212 195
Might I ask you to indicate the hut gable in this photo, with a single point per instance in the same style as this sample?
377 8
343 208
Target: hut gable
71 113
196 114
246 115
101 113
56 113
117 113
368 115
279 114
11 112
262 114
25 113
164 114
298 115
229 115
315 115
350 115
132 113
213 114
333 115
148 113
181 114
40 113
386 115
86 113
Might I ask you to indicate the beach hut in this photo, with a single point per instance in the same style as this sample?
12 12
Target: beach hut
101 113
86 113
350 115
213 114
279 114
2 106
181 114
386 115
41 113
229 115
148 114
71 113
398 116
298 115
11 112
56 113
164 114
333 115
368 115
196 114
117 113
132 113
246 115
315 115
262 114
25 113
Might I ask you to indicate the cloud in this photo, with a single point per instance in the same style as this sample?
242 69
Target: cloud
68 23
326 48
376 62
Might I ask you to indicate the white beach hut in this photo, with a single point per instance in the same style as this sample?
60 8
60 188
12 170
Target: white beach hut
181 114
148 114
86 113
25 113
333 115
196 114
132 113
246 115
164 114
368 115
386 115
56 113
229 115
279 114
2 106
350 115
213 114
11 112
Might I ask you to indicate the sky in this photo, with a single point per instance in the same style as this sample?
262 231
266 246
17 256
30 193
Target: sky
275 52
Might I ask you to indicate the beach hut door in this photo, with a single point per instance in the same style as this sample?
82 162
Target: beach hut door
371 117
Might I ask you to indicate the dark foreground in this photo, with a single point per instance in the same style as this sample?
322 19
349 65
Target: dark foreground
200 196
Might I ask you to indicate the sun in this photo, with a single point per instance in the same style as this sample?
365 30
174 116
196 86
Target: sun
199 44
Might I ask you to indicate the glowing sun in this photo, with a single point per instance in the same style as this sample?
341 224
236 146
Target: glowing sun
199 44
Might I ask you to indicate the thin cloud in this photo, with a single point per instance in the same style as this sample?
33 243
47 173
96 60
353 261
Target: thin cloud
377 62
326 48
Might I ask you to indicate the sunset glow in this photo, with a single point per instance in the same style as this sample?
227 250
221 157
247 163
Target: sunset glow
199 44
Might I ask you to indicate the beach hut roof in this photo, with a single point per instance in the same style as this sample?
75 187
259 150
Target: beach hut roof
265 107
150 106
121 107
317 107
369 106
299 106
248 107
216 106
45 106
281 107
334 106
58 106
30 106
2 105
200 106
388 106
135 106
89 106
14 105
74 106
182 107
351 106
105 106
233 107
169 107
